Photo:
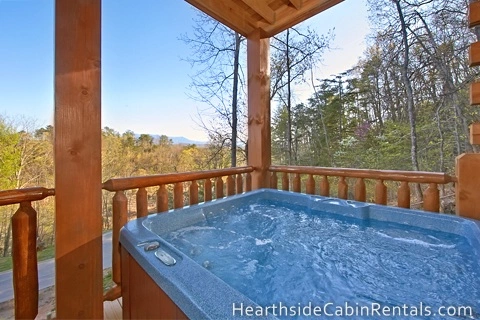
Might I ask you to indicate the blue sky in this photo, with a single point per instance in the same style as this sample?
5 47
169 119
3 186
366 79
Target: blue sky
144 79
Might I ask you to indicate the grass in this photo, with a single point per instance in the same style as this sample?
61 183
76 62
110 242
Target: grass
107 279
45 254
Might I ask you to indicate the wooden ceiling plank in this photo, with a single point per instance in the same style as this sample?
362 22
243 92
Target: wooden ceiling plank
296 3
288 17
222 12
262 9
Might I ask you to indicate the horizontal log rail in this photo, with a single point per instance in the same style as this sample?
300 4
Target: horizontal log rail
24 248
431 197
237 180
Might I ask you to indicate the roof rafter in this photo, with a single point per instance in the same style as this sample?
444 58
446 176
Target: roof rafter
296 3
262 9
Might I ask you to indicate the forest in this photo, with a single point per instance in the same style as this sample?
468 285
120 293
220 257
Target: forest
404 106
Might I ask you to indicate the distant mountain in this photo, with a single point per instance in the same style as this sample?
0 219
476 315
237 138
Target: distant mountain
176 140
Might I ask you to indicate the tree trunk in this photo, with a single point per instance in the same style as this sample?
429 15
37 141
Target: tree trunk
235 99
6 242
410 100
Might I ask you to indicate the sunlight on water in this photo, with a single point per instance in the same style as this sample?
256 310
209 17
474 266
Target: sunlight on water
272 253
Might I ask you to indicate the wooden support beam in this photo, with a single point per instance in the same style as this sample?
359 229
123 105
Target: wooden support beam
474 14
296 3
475 133
475 93
467 188
78 217
262 9
259 135
474 54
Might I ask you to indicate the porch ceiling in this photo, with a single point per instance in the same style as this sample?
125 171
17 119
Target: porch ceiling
269 16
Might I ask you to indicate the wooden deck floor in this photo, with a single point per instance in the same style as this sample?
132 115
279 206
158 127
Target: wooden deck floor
112 310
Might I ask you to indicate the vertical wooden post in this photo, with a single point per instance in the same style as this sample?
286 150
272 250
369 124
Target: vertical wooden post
467 197
142 203
324 187
78 201
380 193
193 192
274 181
120 217
342 188
259 141
162 198
24 256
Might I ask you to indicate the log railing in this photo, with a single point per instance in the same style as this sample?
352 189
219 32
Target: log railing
24 248
237 180
431 197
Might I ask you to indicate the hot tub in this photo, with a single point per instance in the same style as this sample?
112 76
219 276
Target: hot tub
280 254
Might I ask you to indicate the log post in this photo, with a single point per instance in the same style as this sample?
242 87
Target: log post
193 192
178 195
285 182
142 202
219 188
310 187
162 199
403 195
259 141
431 198
274 181
297 187
239 183
207 189
380 193
120 212
342 188
360 190
324 187
24 261
78 171
230 186
467 196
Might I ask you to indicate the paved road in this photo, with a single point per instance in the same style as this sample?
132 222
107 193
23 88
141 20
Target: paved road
46 271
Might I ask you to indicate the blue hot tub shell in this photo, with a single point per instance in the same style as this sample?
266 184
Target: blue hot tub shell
201 295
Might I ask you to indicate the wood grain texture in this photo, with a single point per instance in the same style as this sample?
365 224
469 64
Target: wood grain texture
431 198
403 195
475 133
162 199
8 197
391 175
142 297
169 178
259 135
77 122
474 14
474 54
142 202
119 219
475 93
467 198
380 192
24 260
193 192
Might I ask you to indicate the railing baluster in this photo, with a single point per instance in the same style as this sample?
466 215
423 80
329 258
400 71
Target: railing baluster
162 198
360 190
324 187
248 182
239 183
219 188
178 195
404 195
119 208
310 187
274 181
342 188
285 182
431 198
142 202
193 192
24 259
297 186
207 190
380 193
230 186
